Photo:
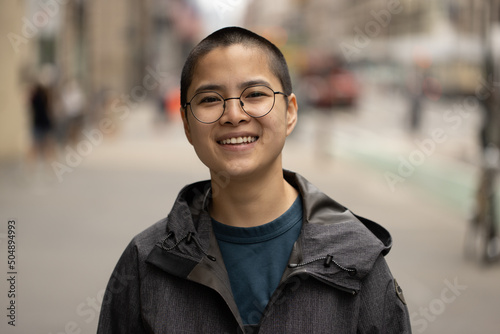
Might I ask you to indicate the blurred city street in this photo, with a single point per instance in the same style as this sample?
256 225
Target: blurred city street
71 233
398 105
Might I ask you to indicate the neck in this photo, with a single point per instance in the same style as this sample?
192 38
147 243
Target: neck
252 201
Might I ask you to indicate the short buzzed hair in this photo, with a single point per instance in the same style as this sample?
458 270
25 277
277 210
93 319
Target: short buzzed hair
229 36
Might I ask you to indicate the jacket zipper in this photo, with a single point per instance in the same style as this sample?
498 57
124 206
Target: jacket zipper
328 260
310 274
276 295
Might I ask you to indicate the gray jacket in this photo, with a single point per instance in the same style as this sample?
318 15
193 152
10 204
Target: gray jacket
171 278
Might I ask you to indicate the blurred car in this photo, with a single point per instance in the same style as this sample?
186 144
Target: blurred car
344 88
331 87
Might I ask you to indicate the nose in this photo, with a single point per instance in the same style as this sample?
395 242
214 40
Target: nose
234 113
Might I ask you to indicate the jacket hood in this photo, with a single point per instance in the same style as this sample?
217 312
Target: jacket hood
335 245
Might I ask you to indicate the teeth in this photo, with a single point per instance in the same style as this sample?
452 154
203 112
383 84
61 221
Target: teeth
238 140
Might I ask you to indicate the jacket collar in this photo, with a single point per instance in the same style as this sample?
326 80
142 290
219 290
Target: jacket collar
335 245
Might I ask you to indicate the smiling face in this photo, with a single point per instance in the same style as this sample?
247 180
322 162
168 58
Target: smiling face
237 143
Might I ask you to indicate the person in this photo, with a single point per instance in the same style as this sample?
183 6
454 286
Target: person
42 125
256 248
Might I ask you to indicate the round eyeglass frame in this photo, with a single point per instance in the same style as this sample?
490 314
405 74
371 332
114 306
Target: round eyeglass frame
232 98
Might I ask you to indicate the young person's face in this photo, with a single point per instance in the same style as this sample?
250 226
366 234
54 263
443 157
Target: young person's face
228 71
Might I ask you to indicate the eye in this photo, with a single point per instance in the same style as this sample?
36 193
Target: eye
207 99
210 99
257 92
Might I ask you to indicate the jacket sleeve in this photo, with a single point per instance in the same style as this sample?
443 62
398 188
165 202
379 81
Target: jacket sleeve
121 306
383 308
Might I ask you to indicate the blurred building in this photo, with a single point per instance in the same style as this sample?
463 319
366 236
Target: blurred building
176 28
14 138
109 47
103 44
99 43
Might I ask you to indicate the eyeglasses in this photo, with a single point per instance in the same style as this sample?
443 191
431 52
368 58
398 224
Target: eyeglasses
256 101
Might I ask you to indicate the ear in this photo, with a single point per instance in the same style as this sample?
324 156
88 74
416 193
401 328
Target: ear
187 128
291 114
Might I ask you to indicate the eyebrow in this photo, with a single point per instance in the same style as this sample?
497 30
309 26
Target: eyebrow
208 87
241 86
253 83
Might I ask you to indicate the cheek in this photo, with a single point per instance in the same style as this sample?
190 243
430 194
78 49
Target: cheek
202 152
200 139
277 127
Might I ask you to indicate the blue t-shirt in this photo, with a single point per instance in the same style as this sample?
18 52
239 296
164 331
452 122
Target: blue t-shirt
256 257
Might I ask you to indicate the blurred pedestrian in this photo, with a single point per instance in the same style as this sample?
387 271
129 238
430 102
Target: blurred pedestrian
255 248
415 86
73 105
42 122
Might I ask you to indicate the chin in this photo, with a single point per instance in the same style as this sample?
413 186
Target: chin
234 171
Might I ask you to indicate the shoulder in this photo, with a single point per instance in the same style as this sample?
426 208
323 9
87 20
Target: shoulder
142 244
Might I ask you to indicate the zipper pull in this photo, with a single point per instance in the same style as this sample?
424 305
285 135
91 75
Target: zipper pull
328 261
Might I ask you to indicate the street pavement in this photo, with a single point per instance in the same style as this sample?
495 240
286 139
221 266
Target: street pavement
71 229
